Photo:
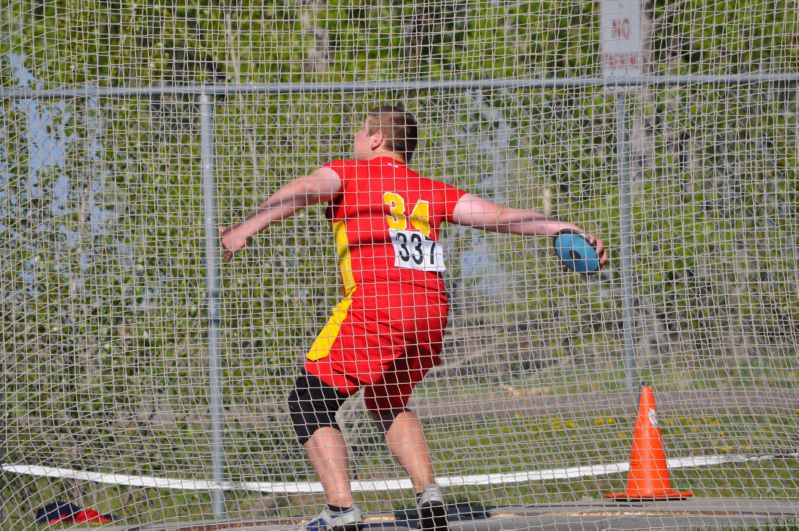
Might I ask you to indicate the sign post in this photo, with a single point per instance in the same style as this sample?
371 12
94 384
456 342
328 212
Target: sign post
622 55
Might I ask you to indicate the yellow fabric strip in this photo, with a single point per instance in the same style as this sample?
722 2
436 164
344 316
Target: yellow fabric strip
324 341
343 252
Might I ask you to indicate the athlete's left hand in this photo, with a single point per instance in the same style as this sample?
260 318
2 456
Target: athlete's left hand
232 241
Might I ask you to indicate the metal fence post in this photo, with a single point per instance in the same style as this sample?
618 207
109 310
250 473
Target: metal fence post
212 286
626 228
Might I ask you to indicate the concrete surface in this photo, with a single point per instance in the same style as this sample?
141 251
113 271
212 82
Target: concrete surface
693 513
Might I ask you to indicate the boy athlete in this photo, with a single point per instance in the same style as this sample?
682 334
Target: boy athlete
386 333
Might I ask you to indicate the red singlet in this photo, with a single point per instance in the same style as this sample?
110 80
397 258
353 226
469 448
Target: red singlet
387 332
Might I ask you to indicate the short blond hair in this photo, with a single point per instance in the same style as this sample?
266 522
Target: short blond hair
399 128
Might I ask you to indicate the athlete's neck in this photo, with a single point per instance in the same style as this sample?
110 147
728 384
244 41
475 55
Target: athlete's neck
388 154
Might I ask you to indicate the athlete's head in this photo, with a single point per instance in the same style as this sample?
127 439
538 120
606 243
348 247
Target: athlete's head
390 129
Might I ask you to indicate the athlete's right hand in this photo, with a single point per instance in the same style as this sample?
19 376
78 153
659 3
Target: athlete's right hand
232 241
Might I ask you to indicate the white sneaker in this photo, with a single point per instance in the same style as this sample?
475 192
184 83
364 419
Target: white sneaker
349 520
432 509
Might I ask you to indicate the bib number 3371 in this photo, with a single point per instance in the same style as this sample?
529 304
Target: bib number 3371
413 249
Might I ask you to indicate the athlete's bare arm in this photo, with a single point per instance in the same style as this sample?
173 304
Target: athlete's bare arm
320 186
472 211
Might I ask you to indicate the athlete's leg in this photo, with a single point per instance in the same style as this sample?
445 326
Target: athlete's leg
327 452
400 426
406 440
313 405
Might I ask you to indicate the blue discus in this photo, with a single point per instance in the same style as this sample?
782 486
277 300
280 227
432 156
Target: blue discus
576 252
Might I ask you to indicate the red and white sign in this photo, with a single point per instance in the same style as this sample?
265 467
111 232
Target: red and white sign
621 48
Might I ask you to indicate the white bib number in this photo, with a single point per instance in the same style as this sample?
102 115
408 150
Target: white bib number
413 250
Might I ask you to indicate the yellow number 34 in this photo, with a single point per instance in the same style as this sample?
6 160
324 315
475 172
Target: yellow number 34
420 215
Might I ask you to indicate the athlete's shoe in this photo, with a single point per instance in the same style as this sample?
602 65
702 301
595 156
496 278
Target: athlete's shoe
432 509
349 520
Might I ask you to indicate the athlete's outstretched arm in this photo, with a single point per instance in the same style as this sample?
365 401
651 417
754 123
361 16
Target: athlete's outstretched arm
473 211
320 186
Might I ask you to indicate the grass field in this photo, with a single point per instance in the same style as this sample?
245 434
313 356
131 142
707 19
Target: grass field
583 423
512 444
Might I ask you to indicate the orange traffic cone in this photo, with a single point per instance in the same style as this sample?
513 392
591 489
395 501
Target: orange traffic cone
649 473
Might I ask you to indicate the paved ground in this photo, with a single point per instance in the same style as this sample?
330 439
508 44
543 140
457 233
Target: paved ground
698 513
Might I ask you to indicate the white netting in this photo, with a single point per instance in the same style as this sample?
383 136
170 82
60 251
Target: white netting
104 295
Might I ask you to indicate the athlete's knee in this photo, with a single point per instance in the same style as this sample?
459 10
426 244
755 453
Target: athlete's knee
312 405
384 418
